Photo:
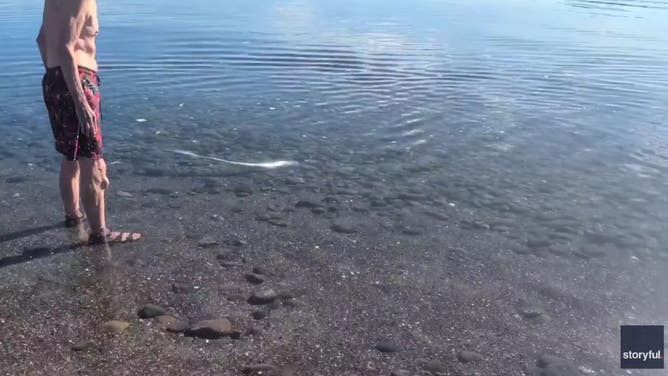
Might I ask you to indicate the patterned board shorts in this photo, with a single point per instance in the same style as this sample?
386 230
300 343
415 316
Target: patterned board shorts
69 138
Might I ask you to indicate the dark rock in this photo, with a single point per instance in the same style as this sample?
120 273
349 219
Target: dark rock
547 360
253 278
210 329
550 365
318 211
231 264
411 231
274 207
388 347
258 369
262 297
277 222
150 310
400 372
536 315
469 356
235 334
207 242
434 366
343 228
260 270
259 315
305 204
263 217
180 287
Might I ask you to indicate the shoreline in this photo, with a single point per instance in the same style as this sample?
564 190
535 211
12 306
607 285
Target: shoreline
357 278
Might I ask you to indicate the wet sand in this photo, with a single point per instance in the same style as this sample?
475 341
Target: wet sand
400 283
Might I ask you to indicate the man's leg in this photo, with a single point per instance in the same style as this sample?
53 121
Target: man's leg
69 188
93 183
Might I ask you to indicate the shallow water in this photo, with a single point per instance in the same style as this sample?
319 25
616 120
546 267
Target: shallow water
544 121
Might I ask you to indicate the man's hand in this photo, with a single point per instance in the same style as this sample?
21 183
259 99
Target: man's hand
87 119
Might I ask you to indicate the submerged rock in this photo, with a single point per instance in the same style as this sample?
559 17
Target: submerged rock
207 242
261 297
550 365
115 326
253 278
343 227
150 310
469 356
210 329
388 347
434 366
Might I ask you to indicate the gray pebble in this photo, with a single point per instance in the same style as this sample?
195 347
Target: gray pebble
469 356
261 297
150 310
433 366
253 278
343 228
210 329
388 347
400 372
258 315
207 242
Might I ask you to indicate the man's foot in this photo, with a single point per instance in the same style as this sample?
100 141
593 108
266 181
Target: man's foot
74 221
113 237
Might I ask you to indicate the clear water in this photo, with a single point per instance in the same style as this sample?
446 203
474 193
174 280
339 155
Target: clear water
543 120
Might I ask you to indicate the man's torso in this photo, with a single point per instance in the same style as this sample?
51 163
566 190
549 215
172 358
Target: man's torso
56 21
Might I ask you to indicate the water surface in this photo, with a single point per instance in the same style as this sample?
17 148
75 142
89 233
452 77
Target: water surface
545 120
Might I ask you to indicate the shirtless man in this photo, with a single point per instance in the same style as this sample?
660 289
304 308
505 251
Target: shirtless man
71 93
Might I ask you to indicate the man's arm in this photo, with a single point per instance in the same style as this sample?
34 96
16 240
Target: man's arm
41 43
69 36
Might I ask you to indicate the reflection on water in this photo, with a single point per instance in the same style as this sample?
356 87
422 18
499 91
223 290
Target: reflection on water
529 117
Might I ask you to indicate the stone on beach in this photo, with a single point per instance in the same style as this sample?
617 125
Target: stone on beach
262 297
433 366
253 278
207 242
469 356
150 310
115 326
343 227
388 347
210 329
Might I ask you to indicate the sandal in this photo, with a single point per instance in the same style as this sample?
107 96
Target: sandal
74 221
110 237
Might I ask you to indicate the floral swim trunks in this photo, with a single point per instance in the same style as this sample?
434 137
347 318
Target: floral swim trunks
70 139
